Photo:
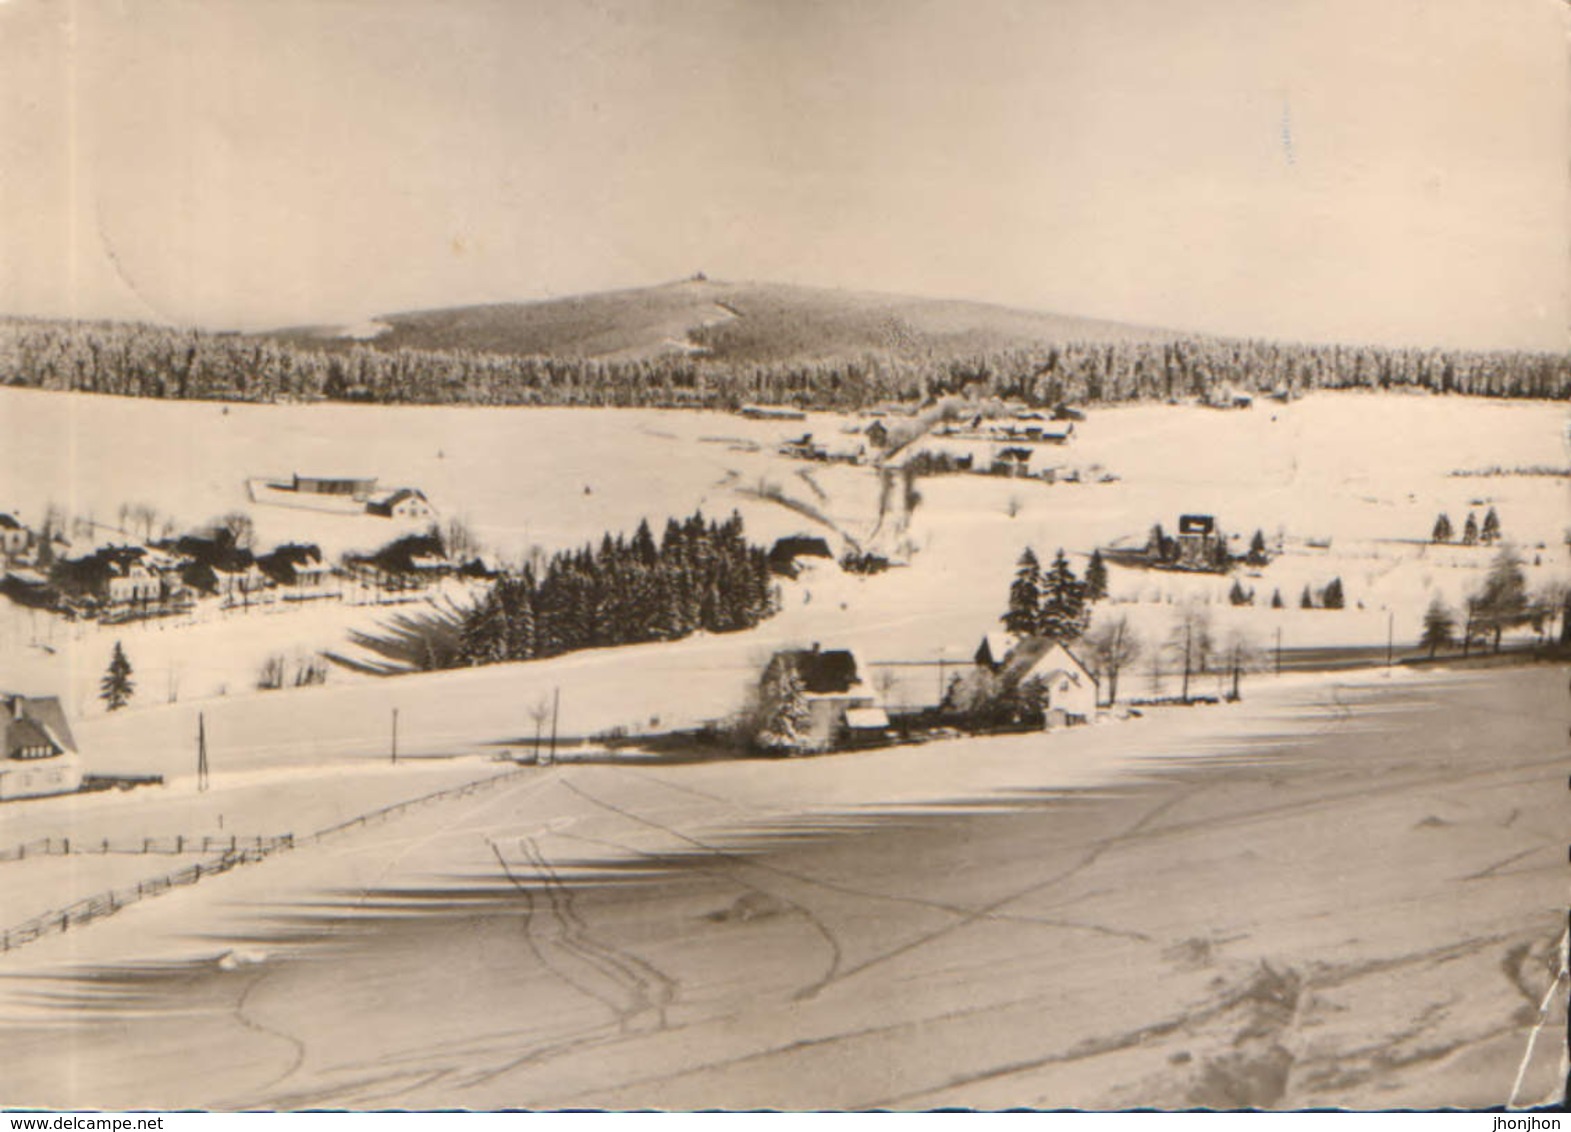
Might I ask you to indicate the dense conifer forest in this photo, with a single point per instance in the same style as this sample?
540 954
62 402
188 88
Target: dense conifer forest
701 575
152 361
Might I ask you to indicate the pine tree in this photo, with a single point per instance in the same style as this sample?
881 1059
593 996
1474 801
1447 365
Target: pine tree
1096 577
1491 530
1258 555
1239 596
1276 599
1025 595
1442 531
1470 531
116 687
1332 597
1305 601
1439 627
1063 613
785 715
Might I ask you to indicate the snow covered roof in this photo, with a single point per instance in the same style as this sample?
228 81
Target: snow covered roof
9 523
868 718
1042 656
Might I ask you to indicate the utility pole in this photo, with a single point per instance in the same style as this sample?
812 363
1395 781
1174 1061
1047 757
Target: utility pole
556 704
395 736
201 753
1186 661
1390 635
1279 650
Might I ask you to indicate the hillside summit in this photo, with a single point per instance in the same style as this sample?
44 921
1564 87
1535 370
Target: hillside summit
731 322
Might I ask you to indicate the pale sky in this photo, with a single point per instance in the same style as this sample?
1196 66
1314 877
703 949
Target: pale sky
1354 170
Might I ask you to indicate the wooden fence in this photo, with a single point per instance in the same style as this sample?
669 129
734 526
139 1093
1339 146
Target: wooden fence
232 852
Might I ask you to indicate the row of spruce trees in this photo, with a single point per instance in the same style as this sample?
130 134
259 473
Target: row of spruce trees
153 361
701 575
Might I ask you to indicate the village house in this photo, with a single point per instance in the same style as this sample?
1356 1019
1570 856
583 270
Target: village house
878 434
1070 686
406 503
784 554
1014 462
838 698
14 537
38 756
1199 542
296 566
112 575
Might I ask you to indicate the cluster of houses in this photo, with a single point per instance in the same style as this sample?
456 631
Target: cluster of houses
843 708
120 582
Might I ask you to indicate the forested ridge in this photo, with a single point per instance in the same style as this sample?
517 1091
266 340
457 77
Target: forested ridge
141 360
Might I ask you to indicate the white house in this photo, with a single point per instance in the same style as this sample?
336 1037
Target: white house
1071 688
39 754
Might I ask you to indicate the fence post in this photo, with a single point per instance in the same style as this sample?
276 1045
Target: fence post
66 841
147 845
106 845
179 843
232 843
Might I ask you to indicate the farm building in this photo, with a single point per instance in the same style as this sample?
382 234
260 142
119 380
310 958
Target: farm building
833 686
357 487
1071 687
39 753
784 554
406 503
296 565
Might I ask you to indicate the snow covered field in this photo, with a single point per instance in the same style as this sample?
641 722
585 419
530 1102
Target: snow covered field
1352 469
1338 893
1092 868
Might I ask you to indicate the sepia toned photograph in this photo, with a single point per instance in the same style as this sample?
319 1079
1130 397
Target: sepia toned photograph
784 554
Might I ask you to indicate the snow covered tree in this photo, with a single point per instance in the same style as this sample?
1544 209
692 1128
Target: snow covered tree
1063 613
1258 555
1439 627
1502 603
1331 597
1191 643
1490 533
1096 577
1113 647
1025 595
1470 531
1442 531
116 688
784 715
1276 599
1305 600
1240 596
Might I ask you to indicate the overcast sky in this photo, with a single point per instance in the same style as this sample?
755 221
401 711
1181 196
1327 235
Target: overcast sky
1386 170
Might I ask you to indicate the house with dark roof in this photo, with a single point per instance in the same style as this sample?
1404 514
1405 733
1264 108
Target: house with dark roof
14 537
1012 462
38 754
833 685
1198 541
784 554
296 566
407 503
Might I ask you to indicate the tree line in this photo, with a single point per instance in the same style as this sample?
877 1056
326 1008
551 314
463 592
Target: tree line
133 359
701 575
